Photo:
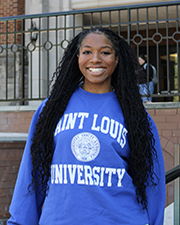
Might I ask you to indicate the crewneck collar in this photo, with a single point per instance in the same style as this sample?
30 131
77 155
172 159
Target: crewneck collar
95 95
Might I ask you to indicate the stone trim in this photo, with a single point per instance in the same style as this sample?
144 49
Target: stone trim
162 105
13 137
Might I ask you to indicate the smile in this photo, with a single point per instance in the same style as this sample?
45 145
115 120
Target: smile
96 70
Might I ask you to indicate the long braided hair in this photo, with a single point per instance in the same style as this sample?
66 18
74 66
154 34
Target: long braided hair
124 81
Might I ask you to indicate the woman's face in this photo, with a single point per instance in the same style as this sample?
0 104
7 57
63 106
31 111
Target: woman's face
141 61
97 62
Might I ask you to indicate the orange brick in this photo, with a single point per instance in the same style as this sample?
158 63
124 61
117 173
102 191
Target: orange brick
167 133
166 112
170 193
12 152
3 121
175 118
160 119
167 126
11 8
173 140
16 121
176 133
169 160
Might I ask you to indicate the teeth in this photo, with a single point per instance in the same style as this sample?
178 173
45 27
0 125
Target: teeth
96 69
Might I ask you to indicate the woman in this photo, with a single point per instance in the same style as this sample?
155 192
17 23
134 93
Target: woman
145 88
93 154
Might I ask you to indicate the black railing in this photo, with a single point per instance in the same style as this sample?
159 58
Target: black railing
32 45
172 174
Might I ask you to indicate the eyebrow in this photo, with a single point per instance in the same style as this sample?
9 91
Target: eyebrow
88 46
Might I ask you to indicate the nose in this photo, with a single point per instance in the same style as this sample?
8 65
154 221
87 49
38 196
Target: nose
96 57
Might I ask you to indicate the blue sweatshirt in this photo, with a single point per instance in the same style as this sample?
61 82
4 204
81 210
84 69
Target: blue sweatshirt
89 183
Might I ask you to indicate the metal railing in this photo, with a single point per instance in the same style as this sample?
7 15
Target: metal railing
172 174
32 45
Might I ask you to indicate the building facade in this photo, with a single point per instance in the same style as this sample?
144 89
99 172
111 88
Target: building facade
153 36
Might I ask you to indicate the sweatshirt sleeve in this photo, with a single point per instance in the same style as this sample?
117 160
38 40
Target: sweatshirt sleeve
156 195
26 209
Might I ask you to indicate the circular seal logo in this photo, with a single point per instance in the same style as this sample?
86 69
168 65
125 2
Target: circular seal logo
85 146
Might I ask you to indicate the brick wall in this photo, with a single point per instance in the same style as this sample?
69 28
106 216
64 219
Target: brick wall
168 124
167 121
10 157
17 122
11 8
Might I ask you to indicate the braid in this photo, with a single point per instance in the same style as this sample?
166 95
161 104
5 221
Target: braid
124 81
68 77
140 137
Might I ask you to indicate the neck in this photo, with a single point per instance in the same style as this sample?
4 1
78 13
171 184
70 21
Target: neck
96 89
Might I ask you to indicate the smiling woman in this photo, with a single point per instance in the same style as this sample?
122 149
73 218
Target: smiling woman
93 152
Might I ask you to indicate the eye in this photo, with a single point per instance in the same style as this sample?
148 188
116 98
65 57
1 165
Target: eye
106 53
86 52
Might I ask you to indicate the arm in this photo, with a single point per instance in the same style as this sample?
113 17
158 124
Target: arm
156 195
150 71
26 209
